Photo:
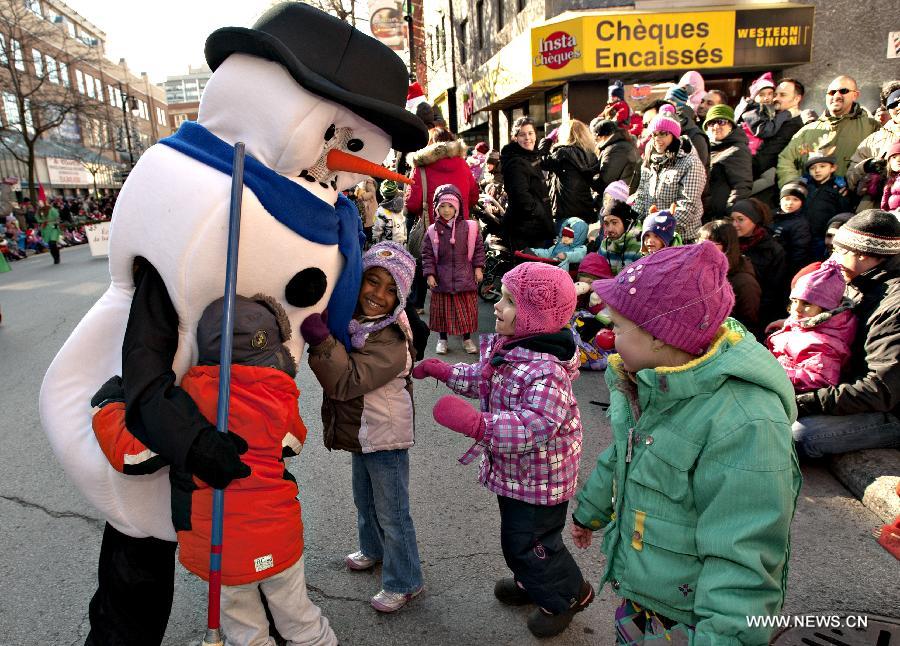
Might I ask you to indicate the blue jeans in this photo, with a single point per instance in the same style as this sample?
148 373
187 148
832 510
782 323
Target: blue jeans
818 435
386 532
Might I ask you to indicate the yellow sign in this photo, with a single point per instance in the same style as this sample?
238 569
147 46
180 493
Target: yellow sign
662 41
613 43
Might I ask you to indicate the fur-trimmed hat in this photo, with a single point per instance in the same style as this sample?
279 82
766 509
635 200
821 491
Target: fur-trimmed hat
872 232
261 327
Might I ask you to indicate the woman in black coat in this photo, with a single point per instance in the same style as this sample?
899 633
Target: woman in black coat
730 163
570 163
750 218
618 155
527 221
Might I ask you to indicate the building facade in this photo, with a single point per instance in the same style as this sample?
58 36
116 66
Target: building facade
183 95
554 59
119 114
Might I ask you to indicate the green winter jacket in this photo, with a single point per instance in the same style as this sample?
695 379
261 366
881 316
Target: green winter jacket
698 489
49 222
843 134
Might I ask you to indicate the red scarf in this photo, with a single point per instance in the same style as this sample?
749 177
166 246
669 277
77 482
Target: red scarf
753 239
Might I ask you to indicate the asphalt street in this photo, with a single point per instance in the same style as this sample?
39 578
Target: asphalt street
50 536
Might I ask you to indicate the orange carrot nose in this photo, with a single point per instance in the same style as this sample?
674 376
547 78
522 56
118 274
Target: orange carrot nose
339 160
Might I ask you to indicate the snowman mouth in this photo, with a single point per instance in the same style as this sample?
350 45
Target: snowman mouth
335 139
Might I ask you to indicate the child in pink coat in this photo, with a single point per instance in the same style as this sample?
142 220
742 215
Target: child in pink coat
814 344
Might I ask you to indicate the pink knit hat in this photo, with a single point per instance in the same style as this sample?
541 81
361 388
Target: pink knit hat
544 296
823 287
594 264
761 83
666 121
680 295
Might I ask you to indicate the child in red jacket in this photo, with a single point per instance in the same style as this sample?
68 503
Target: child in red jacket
262 540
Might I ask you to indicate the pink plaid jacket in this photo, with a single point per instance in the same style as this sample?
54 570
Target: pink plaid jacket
532 440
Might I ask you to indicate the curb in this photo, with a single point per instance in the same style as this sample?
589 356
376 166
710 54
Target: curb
872 476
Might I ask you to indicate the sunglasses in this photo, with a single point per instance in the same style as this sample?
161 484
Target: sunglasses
717 122
841 90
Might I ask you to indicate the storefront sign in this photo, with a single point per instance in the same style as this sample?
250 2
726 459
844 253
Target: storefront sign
67 172
613 43
554 105
893 49
387 23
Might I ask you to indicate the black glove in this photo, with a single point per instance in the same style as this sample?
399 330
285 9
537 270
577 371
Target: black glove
873 165
213 457
545 145
808 404
111 391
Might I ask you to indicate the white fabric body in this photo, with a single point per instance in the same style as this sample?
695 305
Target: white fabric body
173 211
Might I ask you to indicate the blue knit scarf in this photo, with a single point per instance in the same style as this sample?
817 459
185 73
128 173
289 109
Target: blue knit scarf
296 208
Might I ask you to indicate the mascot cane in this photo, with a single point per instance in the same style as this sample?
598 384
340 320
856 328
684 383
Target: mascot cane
318 104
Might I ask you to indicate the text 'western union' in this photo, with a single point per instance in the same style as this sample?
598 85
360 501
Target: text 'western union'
772 36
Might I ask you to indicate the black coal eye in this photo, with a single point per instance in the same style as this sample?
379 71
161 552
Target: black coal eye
355 145
329 133
306 287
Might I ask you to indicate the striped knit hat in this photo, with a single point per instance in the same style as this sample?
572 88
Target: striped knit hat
677 95
872 232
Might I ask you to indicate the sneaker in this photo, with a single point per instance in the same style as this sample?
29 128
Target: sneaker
359 561
469 346
386 601
441 347
511 593
542 623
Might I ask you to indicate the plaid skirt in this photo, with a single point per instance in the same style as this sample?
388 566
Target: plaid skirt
454 314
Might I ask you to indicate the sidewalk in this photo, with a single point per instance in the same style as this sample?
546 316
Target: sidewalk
871 476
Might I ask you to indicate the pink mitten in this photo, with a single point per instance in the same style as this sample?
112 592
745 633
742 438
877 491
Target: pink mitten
432 368
456 414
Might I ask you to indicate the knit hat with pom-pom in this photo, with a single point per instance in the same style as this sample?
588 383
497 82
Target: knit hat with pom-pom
761 83
666 121
680 295
544 296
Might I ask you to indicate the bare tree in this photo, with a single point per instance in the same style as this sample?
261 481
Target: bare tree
38 93
345 10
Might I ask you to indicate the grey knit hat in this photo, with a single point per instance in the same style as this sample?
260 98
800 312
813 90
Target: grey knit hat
872 232
261 327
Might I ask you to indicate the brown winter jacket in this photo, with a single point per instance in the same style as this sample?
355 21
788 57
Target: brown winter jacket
367 402
746 293
367 197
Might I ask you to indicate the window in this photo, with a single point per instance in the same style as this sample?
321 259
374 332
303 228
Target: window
160 116
98 84
479 23
52 72
11 108
179 119
18 56
71 27
118 95
462 41
89 85
38 62
4 58
34 6
79 80
64 74
499 14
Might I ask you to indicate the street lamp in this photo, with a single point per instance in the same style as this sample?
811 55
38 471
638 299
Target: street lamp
128 101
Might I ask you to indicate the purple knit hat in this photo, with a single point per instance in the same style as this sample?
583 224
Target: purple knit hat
544 296
823 287
662 223
666 121
447 193
397 261
680 295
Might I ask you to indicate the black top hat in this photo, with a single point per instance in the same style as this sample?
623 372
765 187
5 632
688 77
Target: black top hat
332 59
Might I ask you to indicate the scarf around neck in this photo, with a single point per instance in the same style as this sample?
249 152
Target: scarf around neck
294 207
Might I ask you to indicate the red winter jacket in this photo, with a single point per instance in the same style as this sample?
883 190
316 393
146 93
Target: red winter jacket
263 529
443 163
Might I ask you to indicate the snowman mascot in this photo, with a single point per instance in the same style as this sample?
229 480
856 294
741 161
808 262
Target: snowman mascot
295 87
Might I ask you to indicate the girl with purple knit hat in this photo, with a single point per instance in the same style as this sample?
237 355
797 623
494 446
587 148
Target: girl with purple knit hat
528 434
367 409
698 490
814 343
